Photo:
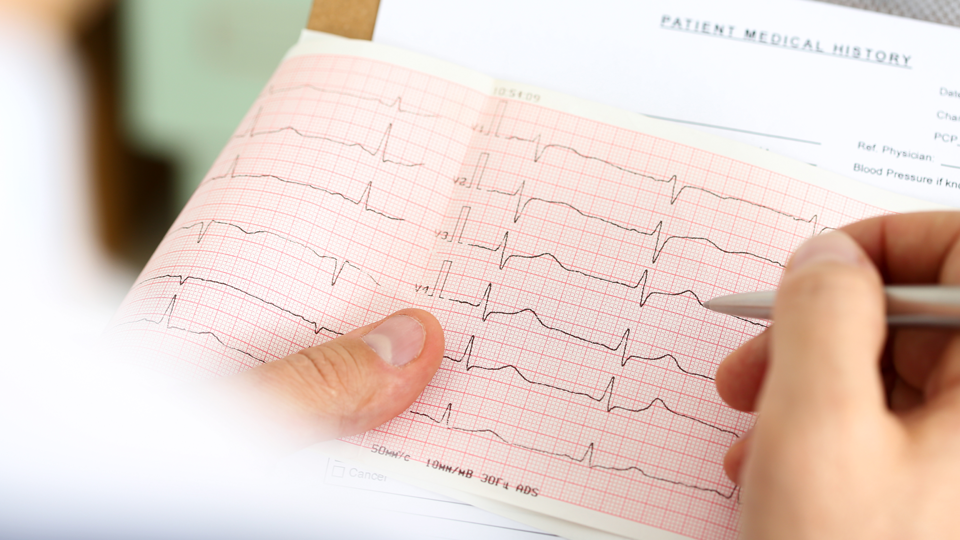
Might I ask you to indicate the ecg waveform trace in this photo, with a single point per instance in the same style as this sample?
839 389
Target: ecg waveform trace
568 261
166 320
362 200
380 148
640 284
586 459
315 327
605 398
540 149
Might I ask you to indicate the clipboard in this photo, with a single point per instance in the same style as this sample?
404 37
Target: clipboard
348 18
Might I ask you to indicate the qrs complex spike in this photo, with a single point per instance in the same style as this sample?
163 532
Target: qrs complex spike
641 283
167 316
466 358
182 279
540 149
362 201
381 147
660 241
621 347
605 398
587 458
504 259
397 102
338 265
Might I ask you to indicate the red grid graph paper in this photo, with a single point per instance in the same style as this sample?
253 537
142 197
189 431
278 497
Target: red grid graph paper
567 259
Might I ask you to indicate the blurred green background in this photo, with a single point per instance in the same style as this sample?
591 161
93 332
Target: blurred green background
191 69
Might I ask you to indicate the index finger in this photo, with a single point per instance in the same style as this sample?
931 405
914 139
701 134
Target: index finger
916 248
912 248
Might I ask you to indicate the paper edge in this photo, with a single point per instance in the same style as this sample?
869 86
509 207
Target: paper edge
455 486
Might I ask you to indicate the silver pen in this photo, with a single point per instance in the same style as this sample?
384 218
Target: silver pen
907 305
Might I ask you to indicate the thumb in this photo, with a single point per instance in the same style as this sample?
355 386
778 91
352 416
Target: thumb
828 333
343 387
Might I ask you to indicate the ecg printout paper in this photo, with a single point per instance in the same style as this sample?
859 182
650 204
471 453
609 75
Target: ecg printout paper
565 247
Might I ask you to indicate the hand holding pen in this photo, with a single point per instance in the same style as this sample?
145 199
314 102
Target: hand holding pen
858 433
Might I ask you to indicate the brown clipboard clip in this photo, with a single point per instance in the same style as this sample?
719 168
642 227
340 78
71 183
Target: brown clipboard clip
348 18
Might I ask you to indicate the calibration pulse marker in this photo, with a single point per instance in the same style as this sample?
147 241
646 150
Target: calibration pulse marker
476 177
461 224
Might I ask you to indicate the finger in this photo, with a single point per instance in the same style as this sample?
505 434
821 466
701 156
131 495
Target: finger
345 386
828 333
942 390
736 456
916 351
919 248
911 248
904 397
740 375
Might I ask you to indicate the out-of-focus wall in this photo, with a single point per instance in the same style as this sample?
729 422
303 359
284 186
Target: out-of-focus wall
191 69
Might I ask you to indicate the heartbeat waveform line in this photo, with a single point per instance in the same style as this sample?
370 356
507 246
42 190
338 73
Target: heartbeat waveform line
168 315
540 150
656 233
363 201
586 458
467 356
316 327
381 147
641 283
338 266
397 103
622 346
504 259
253 125
605 398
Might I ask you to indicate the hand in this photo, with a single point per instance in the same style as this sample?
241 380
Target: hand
858 432
343 387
